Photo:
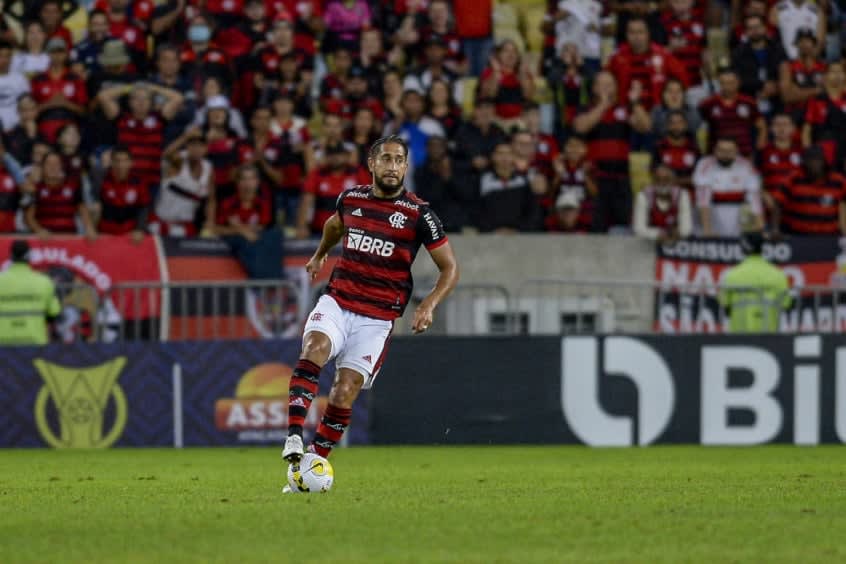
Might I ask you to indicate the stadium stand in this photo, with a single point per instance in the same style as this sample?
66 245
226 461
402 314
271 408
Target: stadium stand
207 67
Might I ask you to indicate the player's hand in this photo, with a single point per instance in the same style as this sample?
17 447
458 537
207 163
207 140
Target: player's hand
314 265
423 317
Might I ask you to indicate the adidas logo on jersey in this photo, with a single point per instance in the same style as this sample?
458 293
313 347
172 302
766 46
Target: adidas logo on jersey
357 212
368 244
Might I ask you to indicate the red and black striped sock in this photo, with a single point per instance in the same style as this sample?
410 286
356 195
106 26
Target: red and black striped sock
331 429
301 392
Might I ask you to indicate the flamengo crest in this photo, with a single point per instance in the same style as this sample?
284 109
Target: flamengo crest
397 220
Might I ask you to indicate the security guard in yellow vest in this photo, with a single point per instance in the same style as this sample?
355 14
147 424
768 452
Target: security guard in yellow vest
27 301
754 293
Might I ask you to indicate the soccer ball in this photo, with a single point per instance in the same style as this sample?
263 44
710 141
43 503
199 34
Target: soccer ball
313 474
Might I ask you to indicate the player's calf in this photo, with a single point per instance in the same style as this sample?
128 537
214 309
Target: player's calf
301 392
338 413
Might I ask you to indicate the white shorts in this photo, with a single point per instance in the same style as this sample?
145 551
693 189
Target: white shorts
358 342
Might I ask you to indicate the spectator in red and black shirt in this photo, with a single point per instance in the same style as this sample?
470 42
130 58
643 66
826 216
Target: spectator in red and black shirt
9 200
333 84
801 79
438 25
201 58
357 96
269 157
735 115
246 213
508 81
641 62
574 197
678 150
813 200
322 188
546 147
51 16
685 37
130 30
607 125
226 150
141 128
825 116
53 202
60 94
782 156
267 69
124 198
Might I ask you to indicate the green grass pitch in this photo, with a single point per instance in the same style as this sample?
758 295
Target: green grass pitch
441 504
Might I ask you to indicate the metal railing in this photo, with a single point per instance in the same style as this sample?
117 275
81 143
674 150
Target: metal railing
180 311
268 309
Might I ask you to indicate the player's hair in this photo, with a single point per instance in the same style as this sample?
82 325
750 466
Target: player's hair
377 145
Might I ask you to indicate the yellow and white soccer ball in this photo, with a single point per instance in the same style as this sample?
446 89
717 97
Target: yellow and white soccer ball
313 474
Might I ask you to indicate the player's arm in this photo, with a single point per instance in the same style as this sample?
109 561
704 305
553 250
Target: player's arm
333 231
431 233
444 259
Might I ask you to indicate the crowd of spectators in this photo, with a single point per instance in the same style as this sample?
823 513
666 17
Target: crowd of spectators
236 118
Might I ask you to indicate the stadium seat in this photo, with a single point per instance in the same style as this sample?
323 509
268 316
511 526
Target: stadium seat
505 16
468 86
532 20
639 164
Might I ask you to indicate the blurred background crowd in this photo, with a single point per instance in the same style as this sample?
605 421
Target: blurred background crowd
238 118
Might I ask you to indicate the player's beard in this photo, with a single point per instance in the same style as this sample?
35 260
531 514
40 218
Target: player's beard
387 189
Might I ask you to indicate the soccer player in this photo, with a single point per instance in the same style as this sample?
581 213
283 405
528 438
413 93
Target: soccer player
382 227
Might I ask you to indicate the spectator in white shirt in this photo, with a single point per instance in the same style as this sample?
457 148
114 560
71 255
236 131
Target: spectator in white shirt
662 210
33 59
12 86
727 187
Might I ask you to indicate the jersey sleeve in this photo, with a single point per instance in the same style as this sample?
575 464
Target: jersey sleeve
430 231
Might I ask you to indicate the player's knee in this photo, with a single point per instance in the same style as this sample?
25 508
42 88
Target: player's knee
316 347
346 388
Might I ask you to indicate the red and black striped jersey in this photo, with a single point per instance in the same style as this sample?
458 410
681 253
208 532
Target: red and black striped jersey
811 207
776 164
9 200
44 86
663 217
56 206
145 140
254 213
123 203
686 40
805 76
827 118
609 143
730 118
681 158
509 96
382 237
